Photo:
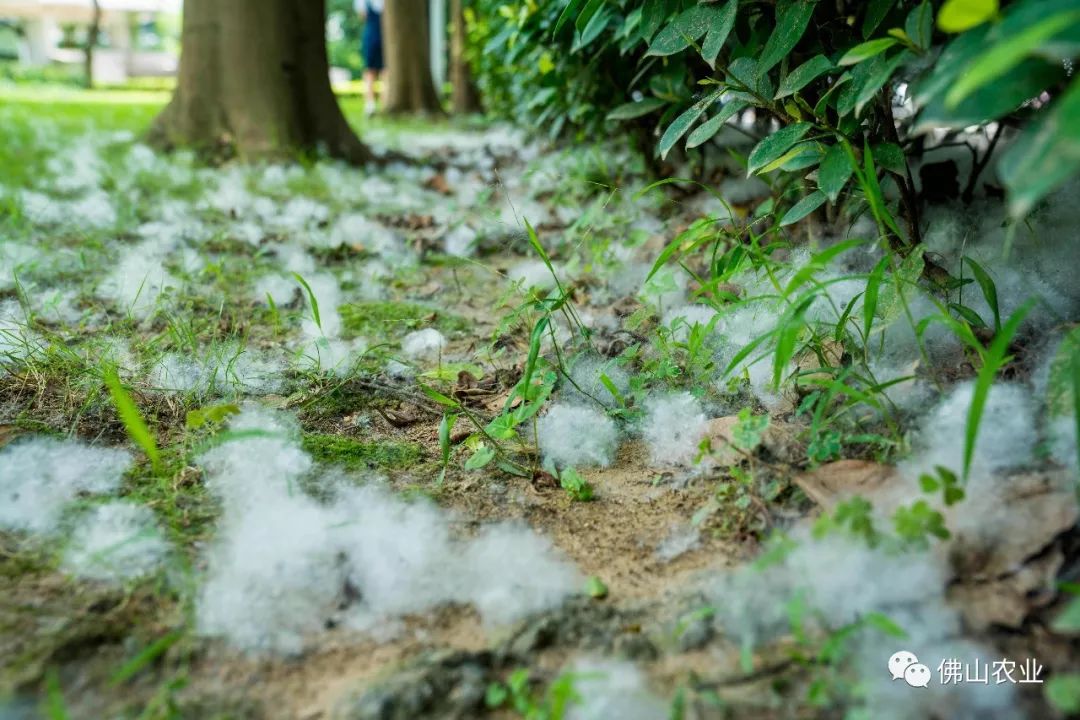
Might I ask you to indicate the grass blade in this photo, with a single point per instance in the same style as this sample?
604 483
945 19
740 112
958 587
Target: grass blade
148 655
1076 400
992 362
129 414
989 290
55 707
311 299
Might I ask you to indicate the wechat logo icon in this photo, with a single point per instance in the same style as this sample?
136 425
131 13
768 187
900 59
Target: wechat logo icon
903 665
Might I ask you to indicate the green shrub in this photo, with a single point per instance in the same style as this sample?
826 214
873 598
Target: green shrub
829 73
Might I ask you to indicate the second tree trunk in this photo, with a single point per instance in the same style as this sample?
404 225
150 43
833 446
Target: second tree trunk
409 87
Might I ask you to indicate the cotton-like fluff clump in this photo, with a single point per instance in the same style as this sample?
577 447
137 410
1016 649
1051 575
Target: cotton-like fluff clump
334 356
115 541
220 369
298 215
665 289
284 566
682 319
95 211
17 341
56 306
272 448
673 429
426 344
837 581
322 349
1063 442
586 383
327 292
577 436
15 258
460 242
532 274
40 476
355 230
679 541
139 279
609 689
281 289
1007 433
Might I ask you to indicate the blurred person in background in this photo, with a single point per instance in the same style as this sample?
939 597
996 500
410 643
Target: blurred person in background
371 48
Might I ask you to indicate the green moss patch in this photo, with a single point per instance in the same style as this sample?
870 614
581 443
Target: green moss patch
378 318
356 455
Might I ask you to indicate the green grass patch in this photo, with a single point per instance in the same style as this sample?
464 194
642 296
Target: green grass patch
376 318
356 455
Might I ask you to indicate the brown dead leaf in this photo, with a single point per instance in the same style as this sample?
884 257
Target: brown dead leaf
721 434
398 419
439 184
780 441
1039 506
834 482
542 480
1008 601
831 353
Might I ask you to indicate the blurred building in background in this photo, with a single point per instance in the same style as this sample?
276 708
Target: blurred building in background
137 38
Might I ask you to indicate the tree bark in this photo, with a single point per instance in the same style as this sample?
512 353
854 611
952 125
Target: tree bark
254 80
92 35
464 98
409 87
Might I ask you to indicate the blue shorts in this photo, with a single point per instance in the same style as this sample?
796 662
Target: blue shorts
371 47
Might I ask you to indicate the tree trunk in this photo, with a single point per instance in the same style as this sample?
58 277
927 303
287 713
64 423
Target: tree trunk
464 98
254 80
92 35
409 87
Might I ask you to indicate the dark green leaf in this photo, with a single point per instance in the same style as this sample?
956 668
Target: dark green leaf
791 21
1003 56
919 25
775 145
891 157
834 172
631 110
689 26
803 75
991 101
682 123
712 126
1045 155
973 318
880 74
653 15
989 289
719 29
570 11
866 50
591 8
596 26
876 10
804 207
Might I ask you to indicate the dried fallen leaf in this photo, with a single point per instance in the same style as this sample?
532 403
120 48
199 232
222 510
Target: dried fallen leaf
830 484
439 184
1008 600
